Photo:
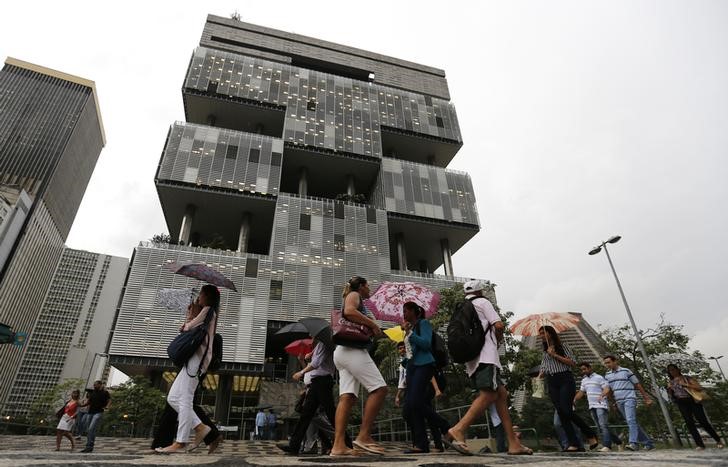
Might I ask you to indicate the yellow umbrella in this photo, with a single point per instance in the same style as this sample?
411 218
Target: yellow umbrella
396 333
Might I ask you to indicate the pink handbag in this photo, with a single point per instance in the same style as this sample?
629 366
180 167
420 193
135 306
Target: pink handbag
346 330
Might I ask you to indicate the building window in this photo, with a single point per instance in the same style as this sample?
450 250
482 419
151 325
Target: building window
339 243
275 159
212 87
371 216
251 267
254 155
232 152
439 122
311 106
305 222
276 290
339 210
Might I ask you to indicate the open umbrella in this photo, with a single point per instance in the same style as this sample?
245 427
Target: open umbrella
530 325
175 299
395 333
677 358
319 329
386 303
203 273
299 347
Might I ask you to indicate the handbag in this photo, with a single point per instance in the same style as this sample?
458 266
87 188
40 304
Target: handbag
182 347
61 411
698 395
345 330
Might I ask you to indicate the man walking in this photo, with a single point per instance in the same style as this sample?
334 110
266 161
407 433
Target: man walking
594 386
98 401
622 383
260 420
484 371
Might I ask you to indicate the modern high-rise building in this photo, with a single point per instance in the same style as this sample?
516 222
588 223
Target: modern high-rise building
301 163
51 135
71 335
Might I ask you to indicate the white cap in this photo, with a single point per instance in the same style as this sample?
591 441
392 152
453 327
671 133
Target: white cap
474 285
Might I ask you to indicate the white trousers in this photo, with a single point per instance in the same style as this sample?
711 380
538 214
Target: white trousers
181 396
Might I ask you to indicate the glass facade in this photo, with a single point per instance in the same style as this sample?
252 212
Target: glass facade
216 157
426 191
322 110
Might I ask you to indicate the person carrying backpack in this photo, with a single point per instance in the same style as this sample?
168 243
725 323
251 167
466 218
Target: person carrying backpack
420 372
474 318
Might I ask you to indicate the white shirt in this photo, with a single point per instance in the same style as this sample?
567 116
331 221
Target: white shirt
402 383
593 386
489 352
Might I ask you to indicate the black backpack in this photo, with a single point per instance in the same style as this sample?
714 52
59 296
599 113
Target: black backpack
216 361
438 348
465 333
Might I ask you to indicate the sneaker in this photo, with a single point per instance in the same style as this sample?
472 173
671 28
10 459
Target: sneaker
648 447
285 447
604 449
87 450
630 447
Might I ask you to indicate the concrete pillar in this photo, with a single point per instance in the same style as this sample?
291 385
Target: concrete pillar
401 252
446 256
303 182
222 398
211 119
259 128
186 227
423 266
350 185
244 237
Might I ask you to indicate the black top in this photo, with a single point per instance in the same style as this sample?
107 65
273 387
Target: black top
97 400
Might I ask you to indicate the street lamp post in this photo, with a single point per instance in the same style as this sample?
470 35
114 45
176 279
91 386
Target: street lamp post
718 363
640 344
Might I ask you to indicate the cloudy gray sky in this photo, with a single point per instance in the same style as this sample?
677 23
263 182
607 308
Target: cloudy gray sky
580 119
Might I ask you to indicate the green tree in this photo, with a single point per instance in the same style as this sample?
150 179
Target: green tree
161 238
134 408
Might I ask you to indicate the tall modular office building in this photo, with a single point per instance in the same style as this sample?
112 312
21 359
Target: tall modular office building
301 163
51 135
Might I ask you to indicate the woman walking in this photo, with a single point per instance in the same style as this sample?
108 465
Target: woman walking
556 364
680 388
68 419
356 368
182 392
420 372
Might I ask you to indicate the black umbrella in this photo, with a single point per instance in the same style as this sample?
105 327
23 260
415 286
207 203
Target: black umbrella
319 329
292 328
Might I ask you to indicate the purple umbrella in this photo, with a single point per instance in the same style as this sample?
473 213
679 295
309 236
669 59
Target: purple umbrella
202 272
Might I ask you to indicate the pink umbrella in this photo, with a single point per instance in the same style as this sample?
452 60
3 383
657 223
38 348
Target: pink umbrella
530 325
203 273
386 303
300 347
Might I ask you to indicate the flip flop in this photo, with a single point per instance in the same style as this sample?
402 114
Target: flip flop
459 446
351 453
371 448
523 452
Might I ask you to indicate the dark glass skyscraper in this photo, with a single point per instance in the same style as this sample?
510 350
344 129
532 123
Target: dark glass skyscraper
301 162
51 136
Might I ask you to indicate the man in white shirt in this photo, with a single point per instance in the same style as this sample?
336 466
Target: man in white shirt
484 372
596 387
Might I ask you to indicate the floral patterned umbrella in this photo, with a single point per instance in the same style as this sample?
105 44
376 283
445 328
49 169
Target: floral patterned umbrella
386 303
203 273
175 299
530 325
678 358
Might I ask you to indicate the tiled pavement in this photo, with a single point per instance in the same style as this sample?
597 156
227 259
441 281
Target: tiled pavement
39 451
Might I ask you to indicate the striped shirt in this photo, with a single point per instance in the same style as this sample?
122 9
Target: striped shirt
592 386
551 366
622 382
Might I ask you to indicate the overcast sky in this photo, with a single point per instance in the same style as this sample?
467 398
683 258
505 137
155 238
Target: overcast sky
580 120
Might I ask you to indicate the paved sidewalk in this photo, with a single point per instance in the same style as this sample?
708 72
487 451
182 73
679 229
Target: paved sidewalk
39 451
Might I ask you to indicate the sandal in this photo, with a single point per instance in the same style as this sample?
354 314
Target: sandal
459 446
371 448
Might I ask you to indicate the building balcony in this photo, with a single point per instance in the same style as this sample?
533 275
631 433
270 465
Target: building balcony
313 108
214 183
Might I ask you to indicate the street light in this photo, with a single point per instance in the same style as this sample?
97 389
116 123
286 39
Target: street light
718 363
638 336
